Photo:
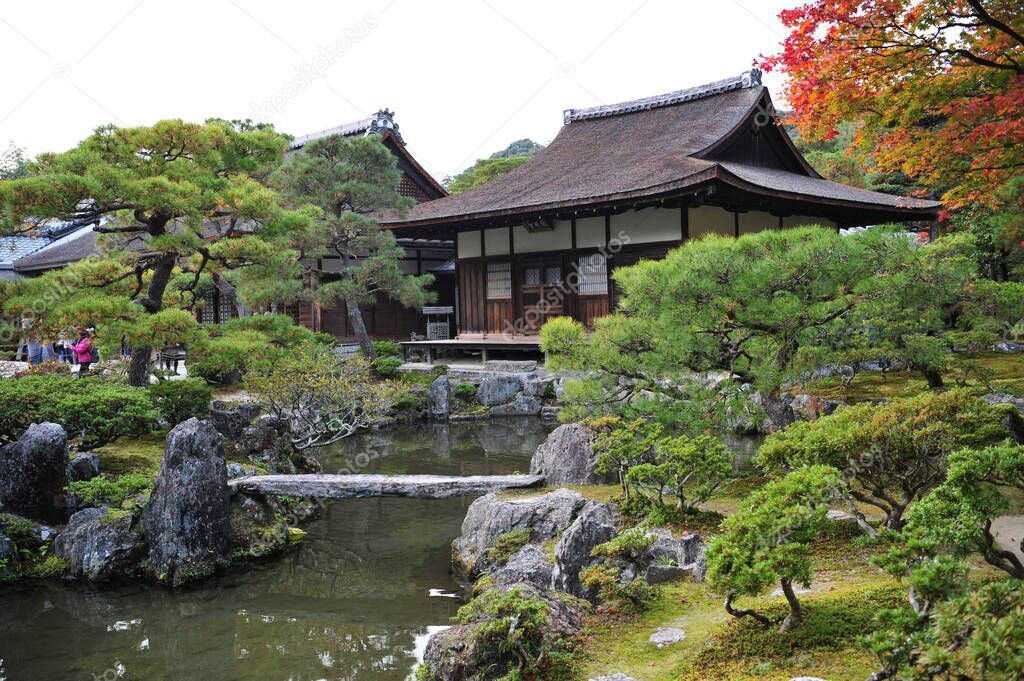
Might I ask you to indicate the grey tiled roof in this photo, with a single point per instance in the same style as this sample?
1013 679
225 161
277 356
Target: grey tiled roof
57 253
14 247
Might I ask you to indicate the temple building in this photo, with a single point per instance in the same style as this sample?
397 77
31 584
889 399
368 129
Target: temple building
627 181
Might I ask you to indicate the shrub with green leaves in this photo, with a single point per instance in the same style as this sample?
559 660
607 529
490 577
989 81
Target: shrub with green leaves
103 491
92 410
607 581
622 445
629 545
889 454
512 627
387 348
464 391
505 545
767 540
179 401
386 365
560 340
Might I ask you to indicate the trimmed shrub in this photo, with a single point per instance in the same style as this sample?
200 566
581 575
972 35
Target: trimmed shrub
387 348
92 410
179 401
386 365
465 391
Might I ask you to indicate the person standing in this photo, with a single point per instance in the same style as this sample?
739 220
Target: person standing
83 350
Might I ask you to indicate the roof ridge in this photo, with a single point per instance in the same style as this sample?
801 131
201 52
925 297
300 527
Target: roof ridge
382 121
747 79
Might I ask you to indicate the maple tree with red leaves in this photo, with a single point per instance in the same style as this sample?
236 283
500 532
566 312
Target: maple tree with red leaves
934 87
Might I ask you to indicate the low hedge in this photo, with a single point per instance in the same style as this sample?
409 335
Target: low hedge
92 410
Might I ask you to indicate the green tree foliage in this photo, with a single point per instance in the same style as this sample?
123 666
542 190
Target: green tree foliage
620 446
487 169
890 454
938 299
952 627
692 468
352 181
240 345
768 539
322 398
173 202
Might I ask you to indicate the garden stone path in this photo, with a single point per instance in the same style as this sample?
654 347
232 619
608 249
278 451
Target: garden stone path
362 486
666 636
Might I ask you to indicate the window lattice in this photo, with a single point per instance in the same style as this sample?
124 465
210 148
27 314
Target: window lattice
593 275
499 280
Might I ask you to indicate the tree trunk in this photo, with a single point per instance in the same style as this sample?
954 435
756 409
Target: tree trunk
138 368
934 379
795 617
355 318
152 302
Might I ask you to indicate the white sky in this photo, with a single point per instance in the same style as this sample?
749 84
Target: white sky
465 78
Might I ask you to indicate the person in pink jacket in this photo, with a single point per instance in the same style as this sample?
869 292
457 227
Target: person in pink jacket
82 349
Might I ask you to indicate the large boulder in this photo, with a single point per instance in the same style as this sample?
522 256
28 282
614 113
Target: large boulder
1013 421
529 564
495 514
33 474
100 544
439 398
83 466
497 389
187 520
567 457
595 524
811 407
466 651
231 418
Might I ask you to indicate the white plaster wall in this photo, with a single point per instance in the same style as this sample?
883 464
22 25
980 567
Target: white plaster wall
757 221
557 239
648 225
496 241
468 244
711 220
590 232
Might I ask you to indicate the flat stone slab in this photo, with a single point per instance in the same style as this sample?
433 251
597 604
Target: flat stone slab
666 636
362 486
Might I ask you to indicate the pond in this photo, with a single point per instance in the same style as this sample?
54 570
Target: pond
356 600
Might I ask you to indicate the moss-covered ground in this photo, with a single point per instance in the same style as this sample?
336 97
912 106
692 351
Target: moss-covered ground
981 372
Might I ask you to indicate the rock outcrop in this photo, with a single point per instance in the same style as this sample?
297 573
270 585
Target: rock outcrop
595 524
490 516
100 544
567 457
521 405
463 652
187 520
266 442
439 398
498 389
83 466
231 418
529 564
33 474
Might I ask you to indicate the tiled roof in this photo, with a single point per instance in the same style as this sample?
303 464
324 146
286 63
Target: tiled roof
346 129
647 147
14 247
67 249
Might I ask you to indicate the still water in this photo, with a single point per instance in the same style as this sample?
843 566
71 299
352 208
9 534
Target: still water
356 600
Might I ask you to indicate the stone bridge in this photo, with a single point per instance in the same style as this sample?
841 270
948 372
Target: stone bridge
361 486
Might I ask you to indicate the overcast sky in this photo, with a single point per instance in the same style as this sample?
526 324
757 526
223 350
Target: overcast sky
465 78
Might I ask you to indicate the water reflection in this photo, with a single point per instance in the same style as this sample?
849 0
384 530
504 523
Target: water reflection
352 602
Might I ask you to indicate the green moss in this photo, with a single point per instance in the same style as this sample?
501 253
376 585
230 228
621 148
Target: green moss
140 455
505 545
